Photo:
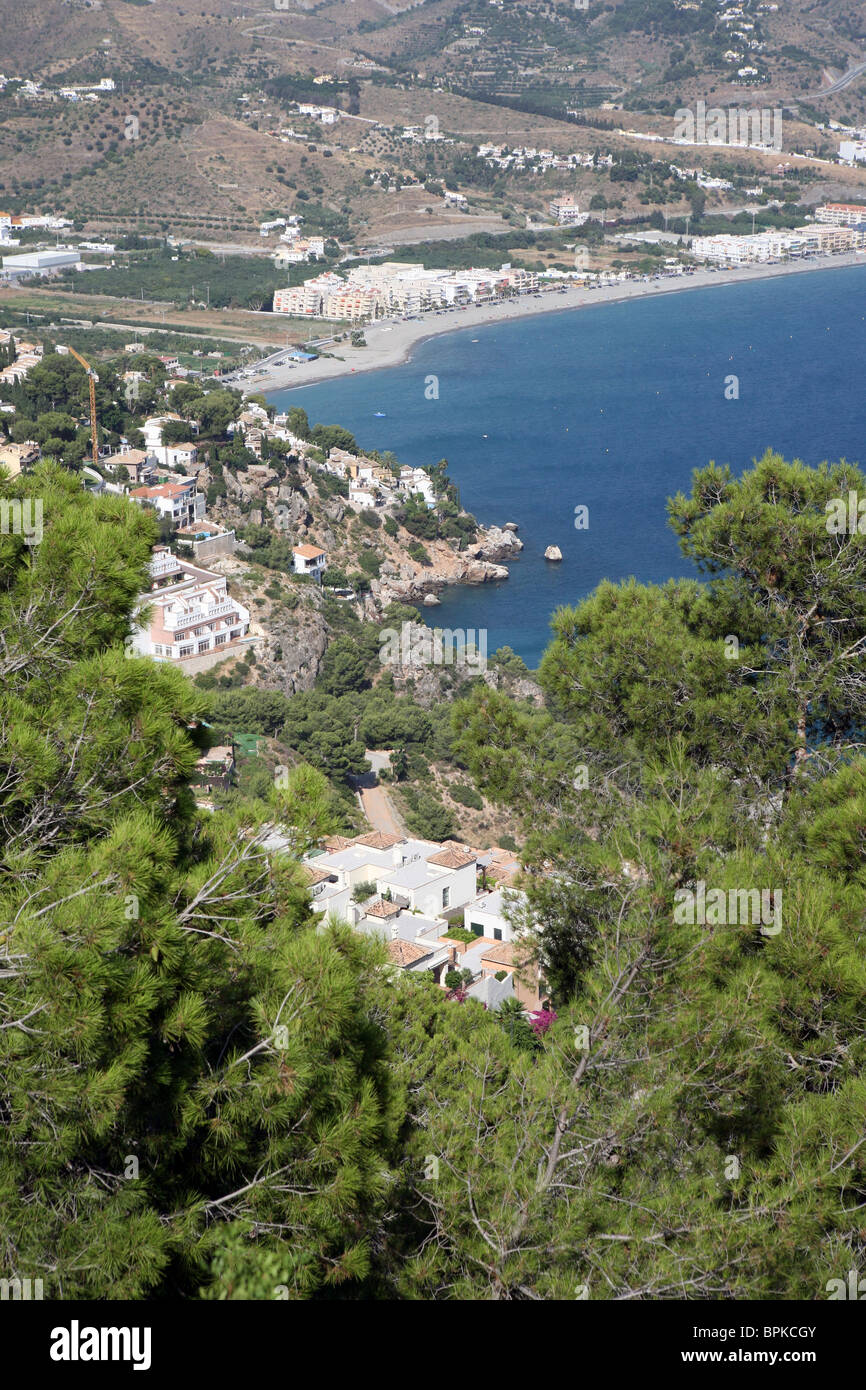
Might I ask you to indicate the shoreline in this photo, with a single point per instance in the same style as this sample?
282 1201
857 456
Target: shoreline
390 344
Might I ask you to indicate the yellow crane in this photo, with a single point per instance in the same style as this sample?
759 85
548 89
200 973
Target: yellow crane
92 380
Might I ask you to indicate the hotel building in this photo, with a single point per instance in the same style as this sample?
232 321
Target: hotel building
189 612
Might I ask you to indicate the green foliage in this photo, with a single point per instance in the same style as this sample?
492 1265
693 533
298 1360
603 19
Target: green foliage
343 668
458 933
213 1059
467 796
426 816
370 563
416 551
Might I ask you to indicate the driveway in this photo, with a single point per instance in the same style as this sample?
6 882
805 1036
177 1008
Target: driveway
375 801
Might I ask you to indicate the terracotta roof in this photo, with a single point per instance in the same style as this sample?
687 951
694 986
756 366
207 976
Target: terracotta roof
316 875
501 954
377 839
335 842
452 859
405 952
503 873
308 552
382 908
164 490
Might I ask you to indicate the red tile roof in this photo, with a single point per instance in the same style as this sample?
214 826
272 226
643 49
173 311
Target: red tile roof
501 954
382 908
377 839
405 952
452 859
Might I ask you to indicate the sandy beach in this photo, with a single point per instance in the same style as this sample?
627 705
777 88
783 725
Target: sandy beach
391 343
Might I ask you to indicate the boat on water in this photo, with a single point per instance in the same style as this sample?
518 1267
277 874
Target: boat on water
378 415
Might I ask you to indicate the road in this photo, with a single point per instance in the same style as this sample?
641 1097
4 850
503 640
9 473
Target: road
841 82
375 801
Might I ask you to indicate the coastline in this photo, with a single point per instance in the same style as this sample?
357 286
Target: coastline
391 344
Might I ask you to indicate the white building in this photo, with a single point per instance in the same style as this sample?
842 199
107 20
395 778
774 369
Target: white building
415 480
326 115
852 151
178 502
841 214
486 914
309 559
566 211
405 891
418 876
180 455
190 612
40 262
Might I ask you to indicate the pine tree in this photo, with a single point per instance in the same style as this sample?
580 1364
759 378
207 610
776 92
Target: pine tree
192 1082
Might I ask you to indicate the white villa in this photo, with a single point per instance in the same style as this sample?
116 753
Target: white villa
190 612
180 502
309 559
417 890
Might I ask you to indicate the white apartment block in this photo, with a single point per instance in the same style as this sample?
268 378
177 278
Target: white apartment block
567 212
841 214
398 287
190 612
727 249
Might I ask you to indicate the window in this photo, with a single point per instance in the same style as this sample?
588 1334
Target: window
187 650
446 897
204 646
497 933
157 649
219 639
477 928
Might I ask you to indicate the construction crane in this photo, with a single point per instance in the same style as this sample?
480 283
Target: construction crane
92 380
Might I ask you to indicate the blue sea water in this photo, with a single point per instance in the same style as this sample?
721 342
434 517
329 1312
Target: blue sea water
611 408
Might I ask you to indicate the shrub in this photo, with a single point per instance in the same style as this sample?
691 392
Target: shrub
370 563
462 934
416 551
363 891
467 796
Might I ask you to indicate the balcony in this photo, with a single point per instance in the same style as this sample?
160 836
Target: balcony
163 564
191 617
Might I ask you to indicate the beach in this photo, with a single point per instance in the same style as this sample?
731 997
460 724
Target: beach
390 343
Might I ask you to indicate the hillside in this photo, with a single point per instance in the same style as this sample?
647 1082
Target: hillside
190 138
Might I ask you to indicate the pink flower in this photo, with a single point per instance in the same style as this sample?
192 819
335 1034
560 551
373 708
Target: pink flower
541 1020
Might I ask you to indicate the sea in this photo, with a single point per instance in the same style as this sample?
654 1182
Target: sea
579 424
